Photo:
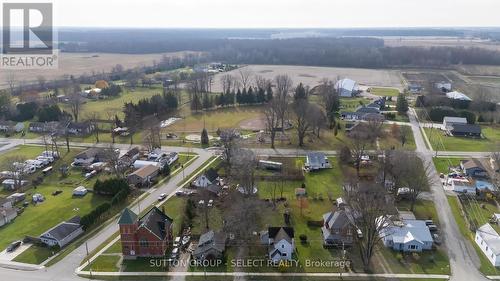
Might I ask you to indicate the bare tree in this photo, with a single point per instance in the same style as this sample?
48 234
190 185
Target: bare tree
93 118
229 140
495 156
261 82
283 85
245 76
360 139
227 83
331 99
411 172
11 81
243 166
302 118
75 101
317 118
112 155
370 207
272 113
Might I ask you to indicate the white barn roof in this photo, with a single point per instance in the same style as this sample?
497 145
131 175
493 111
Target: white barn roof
457 96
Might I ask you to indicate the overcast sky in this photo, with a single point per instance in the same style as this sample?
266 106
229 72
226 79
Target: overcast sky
277 13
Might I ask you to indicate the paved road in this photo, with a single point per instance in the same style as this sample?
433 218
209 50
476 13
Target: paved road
464 261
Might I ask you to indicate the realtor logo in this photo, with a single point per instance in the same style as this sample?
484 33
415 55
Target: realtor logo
28 36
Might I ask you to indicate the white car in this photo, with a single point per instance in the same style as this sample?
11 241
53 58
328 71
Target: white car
162 197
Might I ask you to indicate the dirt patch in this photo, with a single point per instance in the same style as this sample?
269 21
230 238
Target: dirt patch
255 124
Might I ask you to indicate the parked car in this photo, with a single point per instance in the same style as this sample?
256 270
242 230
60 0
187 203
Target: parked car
175 253
436 238
162 197
177 241
14 245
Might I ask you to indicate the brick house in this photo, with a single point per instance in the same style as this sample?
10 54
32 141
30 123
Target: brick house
147 236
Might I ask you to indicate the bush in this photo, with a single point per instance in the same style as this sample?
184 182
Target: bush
303 238
89 219
110 186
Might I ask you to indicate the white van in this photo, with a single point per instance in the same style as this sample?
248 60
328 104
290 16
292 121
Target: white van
29 169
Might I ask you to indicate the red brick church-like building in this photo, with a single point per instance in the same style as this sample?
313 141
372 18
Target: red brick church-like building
147 236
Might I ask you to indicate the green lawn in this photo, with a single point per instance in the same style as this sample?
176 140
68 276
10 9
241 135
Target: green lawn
384 92
490 142
443 164
55 209
104 263
35 255
114 105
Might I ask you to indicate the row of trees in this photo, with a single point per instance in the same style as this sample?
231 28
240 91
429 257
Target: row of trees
156 105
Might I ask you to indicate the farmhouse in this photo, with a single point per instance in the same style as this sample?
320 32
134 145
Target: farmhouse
63 233
211 245
458 96
473 168
347 87
143 176
489 241
338 228
407 236
317 161
148 236
368 109
280 241
448 122
130 156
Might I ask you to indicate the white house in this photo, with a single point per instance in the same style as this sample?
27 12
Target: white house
206 179
347 87
280 241
317 161
489 241
407 236
63 233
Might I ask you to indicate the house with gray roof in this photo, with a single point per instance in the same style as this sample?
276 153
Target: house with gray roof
338 228
406 235
211 245
280 242
316 161
63 233
488 241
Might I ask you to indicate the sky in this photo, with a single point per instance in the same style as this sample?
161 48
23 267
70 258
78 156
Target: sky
276 13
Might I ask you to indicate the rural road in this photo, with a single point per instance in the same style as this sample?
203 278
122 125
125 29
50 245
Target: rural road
464 261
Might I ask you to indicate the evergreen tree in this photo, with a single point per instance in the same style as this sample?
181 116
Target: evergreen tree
402 104
238 97
269 93
300 92
206 101
251 96
204 137
261 95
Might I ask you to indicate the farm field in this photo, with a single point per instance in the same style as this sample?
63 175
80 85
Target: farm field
311 75
80 63
416 41
490 142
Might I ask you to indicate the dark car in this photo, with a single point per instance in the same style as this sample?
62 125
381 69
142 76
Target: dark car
13 246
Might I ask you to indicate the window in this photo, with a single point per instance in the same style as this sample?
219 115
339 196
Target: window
143 243
283 255
282 246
